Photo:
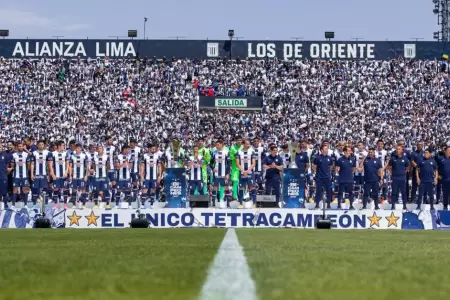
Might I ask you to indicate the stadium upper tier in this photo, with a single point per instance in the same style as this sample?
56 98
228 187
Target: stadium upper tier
87 99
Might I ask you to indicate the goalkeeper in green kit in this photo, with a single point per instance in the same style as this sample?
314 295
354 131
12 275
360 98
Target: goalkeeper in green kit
235 174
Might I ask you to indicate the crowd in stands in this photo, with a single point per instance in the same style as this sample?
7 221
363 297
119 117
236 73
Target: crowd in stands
155 100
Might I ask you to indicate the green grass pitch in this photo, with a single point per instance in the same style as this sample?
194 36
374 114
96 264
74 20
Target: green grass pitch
173 263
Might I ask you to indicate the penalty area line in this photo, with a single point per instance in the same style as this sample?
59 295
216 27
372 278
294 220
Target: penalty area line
229 275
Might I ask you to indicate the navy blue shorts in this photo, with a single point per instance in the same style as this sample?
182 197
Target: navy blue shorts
90 182
40 182
246 181
196 184
78 184
257 177
60 183
220 182
124 184
3 187
112 175
101 185
135 177
150 184
21 182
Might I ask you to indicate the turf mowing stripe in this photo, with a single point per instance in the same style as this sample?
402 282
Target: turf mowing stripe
229 276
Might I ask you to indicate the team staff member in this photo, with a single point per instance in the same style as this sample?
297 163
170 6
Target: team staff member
445 177
398 166
426 175
345 167
302 162
4 171
11 149
416 157
322 168
373 174
407 156
273 164
437 158
381 154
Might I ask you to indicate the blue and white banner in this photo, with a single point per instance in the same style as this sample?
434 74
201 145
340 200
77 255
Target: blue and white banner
293 188
175 185
441 220
250 218
25 217
206 49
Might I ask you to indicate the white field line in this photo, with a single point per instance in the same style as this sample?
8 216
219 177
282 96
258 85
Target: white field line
229 276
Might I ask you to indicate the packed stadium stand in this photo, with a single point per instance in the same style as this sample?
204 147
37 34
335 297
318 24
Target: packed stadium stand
148 100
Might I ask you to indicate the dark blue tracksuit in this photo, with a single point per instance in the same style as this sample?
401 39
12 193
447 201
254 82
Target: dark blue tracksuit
399 166
417 157
273 177
382 158
427 168
345 180
323 177
301 160
371 179
438 158
444 171
406 155
4 163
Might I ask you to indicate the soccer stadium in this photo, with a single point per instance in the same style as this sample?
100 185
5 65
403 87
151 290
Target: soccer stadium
221 168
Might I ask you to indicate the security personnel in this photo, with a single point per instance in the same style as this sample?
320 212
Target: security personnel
416 157
373 177
426 176
444 175
273 164
398 166
322 168
345 167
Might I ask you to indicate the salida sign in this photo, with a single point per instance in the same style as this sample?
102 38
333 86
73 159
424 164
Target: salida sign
239 103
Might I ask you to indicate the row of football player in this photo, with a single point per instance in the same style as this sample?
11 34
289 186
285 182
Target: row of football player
285 156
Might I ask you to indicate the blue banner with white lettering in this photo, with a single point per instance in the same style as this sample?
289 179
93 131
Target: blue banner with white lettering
175 185
203 49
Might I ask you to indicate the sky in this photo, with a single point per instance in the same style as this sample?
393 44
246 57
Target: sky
395 20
